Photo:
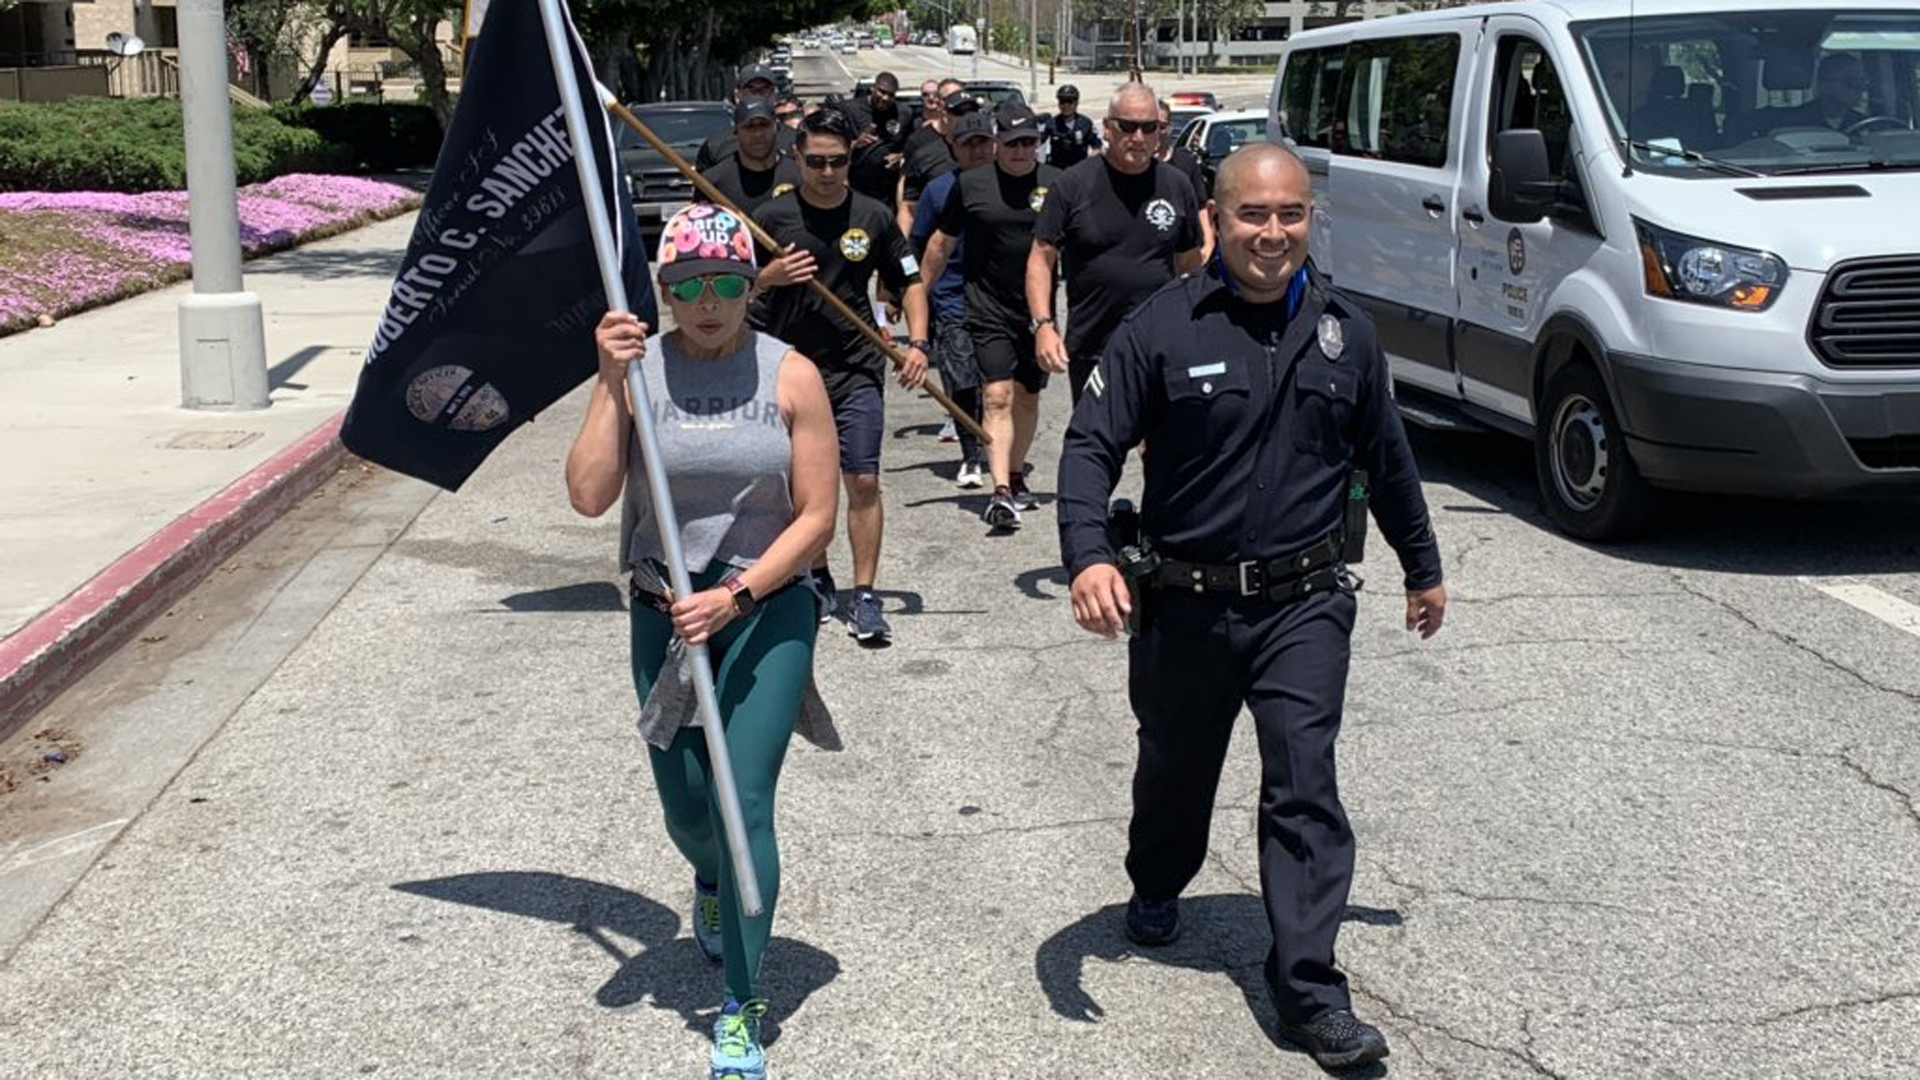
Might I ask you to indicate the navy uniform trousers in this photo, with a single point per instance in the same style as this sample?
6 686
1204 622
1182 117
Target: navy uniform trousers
1198 659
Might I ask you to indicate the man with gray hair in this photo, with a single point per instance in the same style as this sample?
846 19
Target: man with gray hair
1119 226
1268 403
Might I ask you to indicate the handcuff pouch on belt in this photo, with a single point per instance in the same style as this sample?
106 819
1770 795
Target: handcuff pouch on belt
1137 562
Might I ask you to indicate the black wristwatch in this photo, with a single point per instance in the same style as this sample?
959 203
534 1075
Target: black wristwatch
743 601
922 344
1034 325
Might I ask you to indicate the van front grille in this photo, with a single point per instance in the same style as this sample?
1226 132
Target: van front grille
1869 315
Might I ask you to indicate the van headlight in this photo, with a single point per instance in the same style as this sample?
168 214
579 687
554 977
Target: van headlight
1680 267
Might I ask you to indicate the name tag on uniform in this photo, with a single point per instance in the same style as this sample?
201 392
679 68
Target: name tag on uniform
1206 369
909 265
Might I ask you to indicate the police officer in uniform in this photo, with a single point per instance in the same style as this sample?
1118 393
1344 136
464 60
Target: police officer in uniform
1070 136
1260 392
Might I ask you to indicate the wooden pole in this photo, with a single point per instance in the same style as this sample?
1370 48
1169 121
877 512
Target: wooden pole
866 328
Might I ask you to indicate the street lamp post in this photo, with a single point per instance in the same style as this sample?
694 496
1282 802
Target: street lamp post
223 348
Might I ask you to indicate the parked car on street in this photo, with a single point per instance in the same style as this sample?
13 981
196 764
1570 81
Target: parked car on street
1213 136
658 188
962 40
994 93
1658 240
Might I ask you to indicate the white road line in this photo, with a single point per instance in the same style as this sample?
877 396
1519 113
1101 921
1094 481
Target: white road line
1884 606
61 846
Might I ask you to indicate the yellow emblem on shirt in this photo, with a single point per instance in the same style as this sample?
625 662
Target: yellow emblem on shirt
780 189
1037 199
854 244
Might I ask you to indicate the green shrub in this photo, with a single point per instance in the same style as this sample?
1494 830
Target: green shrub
111 144
378 136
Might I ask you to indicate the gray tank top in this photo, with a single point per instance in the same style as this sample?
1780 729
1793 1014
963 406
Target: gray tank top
728 454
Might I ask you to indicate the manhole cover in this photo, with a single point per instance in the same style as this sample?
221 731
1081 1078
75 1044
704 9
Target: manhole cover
210 440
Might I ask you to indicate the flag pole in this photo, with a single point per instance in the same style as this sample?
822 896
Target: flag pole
819 288
726 796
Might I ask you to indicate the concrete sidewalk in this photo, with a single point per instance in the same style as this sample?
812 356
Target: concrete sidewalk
118 477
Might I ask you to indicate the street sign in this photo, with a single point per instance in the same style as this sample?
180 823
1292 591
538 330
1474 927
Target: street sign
322 94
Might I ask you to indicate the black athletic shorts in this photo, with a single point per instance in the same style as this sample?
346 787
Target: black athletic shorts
1006 353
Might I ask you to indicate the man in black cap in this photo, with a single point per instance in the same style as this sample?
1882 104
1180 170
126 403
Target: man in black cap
971 135
755 171
993 211
879 133
753 81
1070 136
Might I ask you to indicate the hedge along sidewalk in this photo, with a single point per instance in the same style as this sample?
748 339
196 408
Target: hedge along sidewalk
65 252
103 456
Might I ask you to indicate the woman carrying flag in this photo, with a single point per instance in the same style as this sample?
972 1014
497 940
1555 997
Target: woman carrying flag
748 444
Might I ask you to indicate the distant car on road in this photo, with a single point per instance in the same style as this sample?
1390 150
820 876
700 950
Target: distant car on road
848 46
962 40
1193 98
658 188
1180 121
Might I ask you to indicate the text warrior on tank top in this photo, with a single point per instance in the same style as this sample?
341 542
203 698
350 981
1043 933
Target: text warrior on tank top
728 455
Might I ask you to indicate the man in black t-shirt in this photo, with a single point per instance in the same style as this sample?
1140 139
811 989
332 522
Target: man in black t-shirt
1120 225
926 154
1187 164
845 240
754 172
993 211
879 133
1070 135
752 82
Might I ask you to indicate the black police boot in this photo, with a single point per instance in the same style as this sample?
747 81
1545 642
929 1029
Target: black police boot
1337 1039
1153 924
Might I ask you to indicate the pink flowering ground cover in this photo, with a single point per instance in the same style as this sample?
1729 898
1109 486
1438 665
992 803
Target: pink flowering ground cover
62 252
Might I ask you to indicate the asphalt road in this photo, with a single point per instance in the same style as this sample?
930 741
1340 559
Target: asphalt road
375 804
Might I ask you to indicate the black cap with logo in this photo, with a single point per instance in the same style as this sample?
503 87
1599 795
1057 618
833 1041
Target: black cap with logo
1016 122
971 125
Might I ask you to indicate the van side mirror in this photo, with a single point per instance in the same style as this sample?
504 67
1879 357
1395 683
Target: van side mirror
1522 189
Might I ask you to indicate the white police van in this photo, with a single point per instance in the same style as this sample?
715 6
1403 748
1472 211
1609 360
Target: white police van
1674 242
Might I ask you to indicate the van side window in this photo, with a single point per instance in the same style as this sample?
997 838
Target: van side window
1308 93
1396 99
1528 93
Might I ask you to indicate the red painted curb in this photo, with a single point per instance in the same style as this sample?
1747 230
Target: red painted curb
64 642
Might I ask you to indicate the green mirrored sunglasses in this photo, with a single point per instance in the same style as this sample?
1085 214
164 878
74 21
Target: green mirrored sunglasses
725 286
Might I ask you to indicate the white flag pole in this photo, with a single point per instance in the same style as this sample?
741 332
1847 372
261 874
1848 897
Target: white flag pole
559 47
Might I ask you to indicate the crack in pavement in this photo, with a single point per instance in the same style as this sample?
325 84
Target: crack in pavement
1795 643
1525 1055
1480 646
1843 757
1507 598
1886 998
996 830
1422 892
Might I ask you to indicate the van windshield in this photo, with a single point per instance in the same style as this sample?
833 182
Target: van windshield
1774 91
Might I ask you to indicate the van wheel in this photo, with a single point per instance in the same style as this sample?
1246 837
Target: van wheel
1589 485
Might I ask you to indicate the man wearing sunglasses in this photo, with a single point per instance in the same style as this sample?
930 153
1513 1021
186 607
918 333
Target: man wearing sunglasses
993 211
753 83
927 154
1122 225
1070 135
846 240
754 172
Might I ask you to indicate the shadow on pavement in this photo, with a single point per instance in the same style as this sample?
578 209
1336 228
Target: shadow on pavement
664 968
1029 583
314 264
1775 537
1223 934
581 596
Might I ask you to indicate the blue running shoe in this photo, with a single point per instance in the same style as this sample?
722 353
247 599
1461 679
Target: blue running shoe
867 625
736 1042
706 921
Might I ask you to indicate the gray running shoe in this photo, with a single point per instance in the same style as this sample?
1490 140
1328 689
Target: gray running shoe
865 622
1001 513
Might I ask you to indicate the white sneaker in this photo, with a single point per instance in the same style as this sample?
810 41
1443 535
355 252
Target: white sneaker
949 433
971 475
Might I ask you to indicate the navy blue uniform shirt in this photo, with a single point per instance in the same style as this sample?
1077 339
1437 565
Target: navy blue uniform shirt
1252 431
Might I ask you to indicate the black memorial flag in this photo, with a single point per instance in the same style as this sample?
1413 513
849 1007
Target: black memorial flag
492 314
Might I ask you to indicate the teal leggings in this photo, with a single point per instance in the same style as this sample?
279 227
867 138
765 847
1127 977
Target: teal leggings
761 665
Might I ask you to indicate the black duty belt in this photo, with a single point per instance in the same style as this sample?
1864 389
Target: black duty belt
1294 577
